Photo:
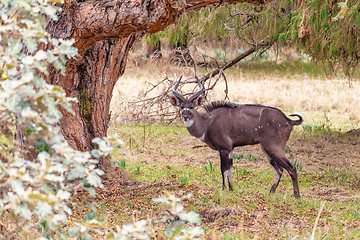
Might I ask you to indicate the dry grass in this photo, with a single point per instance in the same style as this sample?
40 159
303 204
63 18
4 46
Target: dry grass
320 99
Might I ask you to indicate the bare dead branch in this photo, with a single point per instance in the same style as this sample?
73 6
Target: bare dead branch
156 107
236 60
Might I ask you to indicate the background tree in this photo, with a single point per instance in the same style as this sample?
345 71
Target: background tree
325 30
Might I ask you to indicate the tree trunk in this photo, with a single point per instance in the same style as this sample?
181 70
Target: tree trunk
104 32
91 80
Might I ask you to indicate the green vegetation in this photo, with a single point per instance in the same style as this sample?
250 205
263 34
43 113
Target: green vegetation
325 31
44 194
172 160
38 168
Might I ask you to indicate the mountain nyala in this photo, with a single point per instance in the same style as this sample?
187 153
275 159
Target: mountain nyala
225 125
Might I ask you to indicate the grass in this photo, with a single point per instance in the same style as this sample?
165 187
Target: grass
165 157
168 156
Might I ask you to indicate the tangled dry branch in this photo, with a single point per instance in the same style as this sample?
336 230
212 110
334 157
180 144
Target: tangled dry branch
156 107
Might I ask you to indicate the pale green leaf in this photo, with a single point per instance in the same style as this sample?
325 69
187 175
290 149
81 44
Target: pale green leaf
28 60
51 57
91 191
58 65
161 200
54 178
51 11
30 44
73 231
195 231
25 4
15 46
179 208
17 186
38 81
41 55
96 153
27 90
23 210
191 217
8 84
41 67
43 209
63 194
78 172
28 76
12 102
94 180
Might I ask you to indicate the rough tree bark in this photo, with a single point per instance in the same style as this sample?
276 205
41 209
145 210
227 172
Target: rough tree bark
104 32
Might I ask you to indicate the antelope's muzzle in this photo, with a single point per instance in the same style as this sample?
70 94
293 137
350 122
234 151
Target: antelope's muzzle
186 114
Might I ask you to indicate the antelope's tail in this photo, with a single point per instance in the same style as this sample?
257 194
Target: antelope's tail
299 121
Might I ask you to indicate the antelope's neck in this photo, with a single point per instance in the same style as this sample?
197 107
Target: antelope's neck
197 126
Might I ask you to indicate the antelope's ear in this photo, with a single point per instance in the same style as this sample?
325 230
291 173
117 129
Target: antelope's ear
174 101
199 101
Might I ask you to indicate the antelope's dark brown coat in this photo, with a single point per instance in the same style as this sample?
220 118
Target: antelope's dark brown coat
226 125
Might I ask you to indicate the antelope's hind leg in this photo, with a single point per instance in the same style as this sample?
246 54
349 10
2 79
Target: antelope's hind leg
279 161
278 173
226 158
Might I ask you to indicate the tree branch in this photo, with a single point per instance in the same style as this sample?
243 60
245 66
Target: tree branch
149 107
235 60
104 19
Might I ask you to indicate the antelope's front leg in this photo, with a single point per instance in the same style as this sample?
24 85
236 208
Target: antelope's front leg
226 158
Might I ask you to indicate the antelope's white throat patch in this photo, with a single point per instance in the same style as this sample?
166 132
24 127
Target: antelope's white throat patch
189 123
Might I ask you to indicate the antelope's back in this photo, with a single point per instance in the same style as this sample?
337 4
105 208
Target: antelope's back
249 124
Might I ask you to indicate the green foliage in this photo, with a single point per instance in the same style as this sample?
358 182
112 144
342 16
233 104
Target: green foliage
321 129
325 30
244 22
183 180
174 222
177 210
297 165
210 169
122 164
35 189
89 216
250 157
332 31
287 150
